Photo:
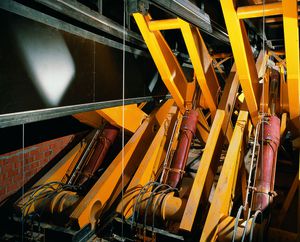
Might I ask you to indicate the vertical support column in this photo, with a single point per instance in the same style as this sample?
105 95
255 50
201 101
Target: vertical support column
243 57
291 41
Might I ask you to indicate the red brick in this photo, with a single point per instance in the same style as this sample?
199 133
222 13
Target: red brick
2 192
18 178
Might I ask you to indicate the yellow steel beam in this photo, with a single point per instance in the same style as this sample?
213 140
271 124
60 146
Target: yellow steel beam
260 10
148 168
133 116
199 181
291 40
221 55
261 63
165 24
284 102
224 191
200 58
202 63
283 124
202 126
91 118
228 99
109 185
243 57
166 63
210 157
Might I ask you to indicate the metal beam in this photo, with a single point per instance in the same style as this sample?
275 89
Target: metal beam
109 183
12 119
291 39
202 63
166 63
40 17
256 11
199 182
85 15
243 57
192 14
210 157
200 58
224 191
129 117
152 161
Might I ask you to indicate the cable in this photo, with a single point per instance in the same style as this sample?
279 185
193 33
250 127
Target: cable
237 218
150 199
258 212
141 194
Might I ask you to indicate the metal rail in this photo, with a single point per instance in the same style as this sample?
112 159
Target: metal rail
12 119
194 15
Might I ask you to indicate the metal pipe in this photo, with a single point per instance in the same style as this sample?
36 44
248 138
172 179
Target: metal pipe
82 160
107 138
265 177
188 129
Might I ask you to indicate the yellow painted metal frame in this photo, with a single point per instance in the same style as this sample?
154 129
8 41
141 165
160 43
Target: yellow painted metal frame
166 61
259 10
107 188
203 126
202 63
291 40
212 151
243 57
224 191
202 173
149 166
133 116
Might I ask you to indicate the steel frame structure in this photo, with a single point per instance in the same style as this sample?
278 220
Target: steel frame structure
155 136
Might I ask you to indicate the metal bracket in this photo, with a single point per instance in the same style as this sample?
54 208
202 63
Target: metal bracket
137 6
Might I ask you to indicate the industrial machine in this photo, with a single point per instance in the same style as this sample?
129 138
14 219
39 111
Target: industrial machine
194 116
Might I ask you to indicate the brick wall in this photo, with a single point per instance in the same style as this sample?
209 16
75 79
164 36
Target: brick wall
35 157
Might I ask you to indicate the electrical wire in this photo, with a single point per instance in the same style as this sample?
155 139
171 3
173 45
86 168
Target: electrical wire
236 223
46 192
123 109
150 199
258 212
139 196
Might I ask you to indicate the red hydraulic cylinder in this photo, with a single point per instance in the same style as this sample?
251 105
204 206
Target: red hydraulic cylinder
187 132
265 177
106 139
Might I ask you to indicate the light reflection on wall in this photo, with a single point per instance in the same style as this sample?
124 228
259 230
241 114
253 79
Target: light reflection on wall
47 59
